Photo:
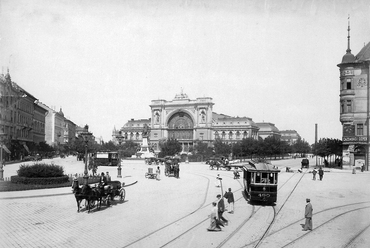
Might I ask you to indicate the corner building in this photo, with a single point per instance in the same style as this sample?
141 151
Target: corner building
354 105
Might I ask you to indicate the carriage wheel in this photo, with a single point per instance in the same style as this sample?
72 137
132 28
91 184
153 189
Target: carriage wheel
122 194
92 204
211 167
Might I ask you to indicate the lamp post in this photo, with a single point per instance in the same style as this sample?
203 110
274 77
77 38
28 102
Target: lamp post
2 138
120 139
86 136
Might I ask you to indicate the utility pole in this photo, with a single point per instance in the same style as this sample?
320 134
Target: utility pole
316 142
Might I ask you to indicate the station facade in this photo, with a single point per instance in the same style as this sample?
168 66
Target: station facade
190 121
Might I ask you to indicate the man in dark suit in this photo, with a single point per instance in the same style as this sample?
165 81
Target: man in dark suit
221 209
308 216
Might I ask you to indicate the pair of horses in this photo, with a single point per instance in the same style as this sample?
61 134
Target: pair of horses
91 195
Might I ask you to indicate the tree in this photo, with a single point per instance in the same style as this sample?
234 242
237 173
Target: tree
301 146
221 148
170 147
128 148
202 149
108 146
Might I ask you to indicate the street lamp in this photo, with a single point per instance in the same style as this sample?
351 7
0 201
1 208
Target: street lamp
2 139
86 136
120 139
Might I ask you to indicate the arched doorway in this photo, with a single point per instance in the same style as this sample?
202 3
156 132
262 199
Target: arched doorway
359 156
180 127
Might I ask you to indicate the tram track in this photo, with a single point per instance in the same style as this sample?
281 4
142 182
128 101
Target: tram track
203 205
325 223
229 237
203 220
177 220
267 229
291 225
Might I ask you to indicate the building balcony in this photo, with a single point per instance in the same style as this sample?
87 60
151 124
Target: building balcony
347 93
346 117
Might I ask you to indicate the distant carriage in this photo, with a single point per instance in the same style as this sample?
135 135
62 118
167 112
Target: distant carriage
260 182
172 167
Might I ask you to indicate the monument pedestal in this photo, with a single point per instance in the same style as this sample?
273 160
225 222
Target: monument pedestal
144 150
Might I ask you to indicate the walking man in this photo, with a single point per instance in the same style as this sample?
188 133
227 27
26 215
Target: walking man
230 200
314 172
321 173
221 209
308 216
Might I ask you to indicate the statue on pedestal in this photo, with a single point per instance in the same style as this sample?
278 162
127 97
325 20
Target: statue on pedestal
146 131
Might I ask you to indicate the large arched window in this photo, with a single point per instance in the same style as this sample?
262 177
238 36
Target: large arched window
180 120
180 126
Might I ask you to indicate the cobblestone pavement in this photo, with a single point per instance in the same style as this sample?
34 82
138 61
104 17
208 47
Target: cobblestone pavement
49 218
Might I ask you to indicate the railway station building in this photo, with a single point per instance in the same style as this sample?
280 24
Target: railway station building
190 121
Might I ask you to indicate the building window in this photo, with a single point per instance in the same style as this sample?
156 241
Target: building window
237 135
360 129
217 135
245 135
349 84
223 135
349 106
230 135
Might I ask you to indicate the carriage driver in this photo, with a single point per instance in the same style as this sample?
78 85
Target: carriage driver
103 182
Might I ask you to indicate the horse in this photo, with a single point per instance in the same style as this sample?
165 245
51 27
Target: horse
103 191
83 193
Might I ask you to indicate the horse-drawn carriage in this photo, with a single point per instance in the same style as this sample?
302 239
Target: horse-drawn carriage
218 163
95 196
172 167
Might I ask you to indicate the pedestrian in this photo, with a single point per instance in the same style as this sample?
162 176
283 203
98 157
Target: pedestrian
177 170
362 167
108 177
321 173
230 200
353 169
236 174
158 172
218 164
217 182
103 179
308 216
214 223
314 172
74 183
221 210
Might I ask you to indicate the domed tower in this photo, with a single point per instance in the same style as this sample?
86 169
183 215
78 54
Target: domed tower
347 92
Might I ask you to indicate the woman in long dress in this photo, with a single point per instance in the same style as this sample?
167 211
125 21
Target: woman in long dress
217 182
214 225
158 172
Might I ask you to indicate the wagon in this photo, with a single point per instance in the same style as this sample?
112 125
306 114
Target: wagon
150 174
117 190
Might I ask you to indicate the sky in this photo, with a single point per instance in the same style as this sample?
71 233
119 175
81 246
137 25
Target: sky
104 61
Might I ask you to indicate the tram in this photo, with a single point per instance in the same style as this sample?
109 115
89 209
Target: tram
106 158
260 182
